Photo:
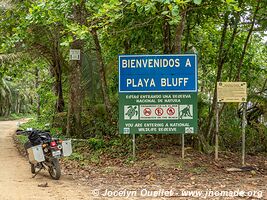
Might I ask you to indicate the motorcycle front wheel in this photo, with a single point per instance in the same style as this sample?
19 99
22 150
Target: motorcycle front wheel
54 169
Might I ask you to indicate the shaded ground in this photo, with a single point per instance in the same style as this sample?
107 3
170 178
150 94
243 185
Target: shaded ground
167 172
154 174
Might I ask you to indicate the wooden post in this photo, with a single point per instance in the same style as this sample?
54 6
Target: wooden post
217 132
244 133
134 146
182 146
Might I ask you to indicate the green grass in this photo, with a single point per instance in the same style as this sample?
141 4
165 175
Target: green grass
34 124
22 139
198 170
76 156
42 125
15 117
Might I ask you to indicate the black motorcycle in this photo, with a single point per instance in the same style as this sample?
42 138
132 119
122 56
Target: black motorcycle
44 152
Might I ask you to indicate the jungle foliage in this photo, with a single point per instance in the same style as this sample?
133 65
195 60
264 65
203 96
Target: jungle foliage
81 97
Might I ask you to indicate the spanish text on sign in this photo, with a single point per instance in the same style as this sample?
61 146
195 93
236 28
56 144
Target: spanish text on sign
157 73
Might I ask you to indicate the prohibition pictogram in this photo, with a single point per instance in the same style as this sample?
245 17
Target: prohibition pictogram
170 111
147 111
159 111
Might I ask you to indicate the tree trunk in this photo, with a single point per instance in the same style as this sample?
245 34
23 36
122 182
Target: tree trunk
246 42
37 95
75 95
187 33
54 58
60 104
179 33
223 54
237 19
57 74
219 74
18 105
101 71
127 46
166 30
74 124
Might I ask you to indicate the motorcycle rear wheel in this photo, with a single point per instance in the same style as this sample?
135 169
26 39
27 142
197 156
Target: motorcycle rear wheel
54 169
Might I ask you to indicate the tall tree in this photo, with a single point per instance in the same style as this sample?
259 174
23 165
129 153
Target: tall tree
74 124
102 73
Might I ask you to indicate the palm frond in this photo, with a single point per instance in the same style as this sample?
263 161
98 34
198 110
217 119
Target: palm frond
10 57
5 4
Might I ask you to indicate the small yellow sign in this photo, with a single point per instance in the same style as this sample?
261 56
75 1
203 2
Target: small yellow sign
231 91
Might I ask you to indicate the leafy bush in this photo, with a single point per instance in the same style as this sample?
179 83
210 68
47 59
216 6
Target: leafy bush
96 143
22 139
256 138
76 156
35 124
97 123
231 136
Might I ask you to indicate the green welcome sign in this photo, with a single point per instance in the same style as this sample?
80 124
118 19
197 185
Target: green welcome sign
163 113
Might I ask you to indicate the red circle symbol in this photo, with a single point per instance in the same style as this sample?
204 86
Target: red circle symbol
170 111
147 111
159 111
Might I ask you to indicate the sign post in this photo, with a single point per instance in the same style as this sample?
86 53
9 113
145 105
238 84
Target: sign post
217 132
232 92
183 150
157 94
244 133
134 146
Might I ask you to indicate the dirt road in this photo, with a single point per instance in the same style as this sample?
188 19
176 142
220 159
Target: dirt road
16 182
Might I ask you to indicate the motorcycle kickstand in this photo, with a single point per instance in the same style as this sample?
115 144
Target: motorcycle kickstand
37 172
